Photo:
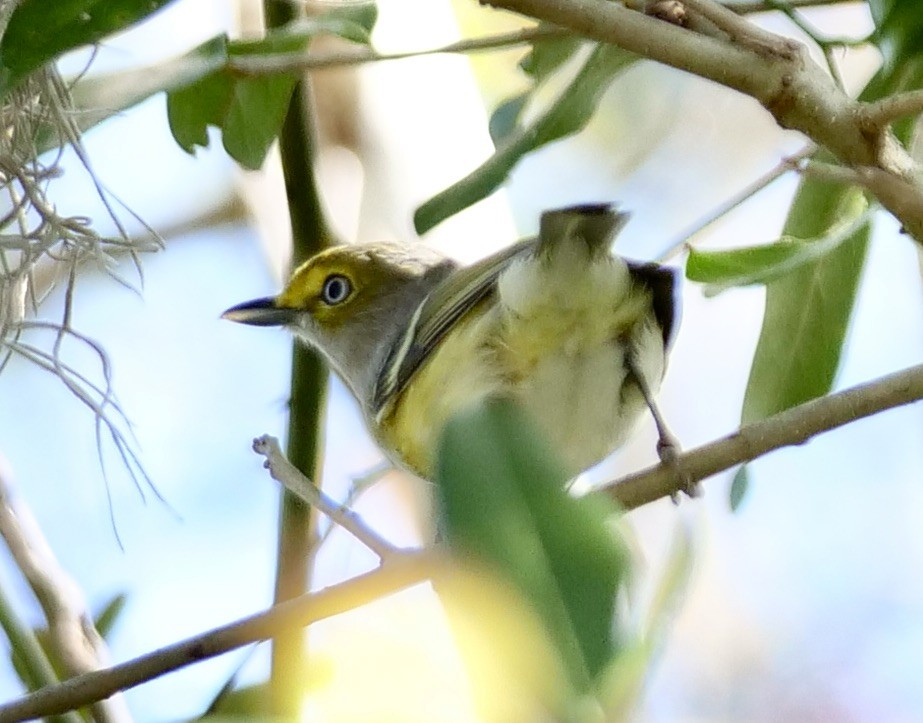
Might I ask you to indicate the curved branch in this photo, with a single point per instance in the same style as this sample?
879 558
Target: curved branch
793 426
407 568
776 71
399 573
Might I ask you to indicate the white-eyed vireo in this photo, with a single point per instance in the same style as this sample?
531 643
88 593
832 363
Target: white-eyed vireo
577 335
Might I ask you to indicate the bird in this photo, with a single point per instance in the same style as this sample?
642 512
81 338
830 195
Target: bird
574 334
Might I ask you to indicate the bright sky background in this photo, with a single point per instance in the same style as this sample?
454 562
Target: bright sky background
805 604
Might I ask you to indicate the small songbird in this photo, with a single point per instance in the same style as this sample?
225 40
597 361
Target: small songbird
576 335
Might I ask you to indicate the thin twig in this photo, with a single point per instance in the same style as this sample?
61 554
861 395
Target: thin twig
787 165
399 573
884 112
793 426
762 6
292 479
740 30
287 62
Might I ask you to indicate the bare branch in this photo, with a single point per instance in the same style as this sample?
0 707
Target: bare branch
887 110
299 485
793 426
746 7
285 62
787 165
401 572
779 74
78 644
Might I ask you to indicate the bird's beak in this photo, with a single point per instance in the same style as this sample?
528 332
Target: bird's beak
260 312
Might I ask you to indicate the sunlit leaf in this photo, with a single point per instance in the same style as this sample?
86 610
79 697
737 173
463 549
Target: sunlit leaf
569 113
39 31
502 501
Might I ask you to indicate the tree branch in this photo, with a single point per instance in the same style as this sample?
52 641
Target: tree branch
405 570
285 472
71 632
778 73
793 426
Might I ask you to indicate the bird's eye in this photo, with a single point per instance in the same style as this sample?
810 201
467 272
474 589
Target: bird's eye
337 289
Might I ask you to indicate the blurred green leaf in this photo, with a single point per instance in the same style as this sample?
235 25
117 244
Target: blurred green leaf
504 119
739 487
39 31
567 115
762 264
549 54
502 500
249 703
249 110
622 683
898 30
110 614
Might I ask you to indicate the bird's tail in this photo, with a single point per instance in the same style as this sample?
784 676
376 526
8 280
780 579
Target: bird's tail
595 224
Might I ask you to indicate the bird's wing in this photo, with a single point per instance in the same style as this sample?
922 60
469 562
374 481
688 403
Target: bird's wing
661 282
436 316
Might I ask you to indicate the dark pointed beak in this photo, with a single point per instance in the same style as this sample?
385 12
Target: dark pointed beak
260 312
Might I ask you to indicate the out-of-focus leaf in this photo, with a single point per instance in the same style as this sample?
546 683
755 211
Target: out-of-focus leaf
549 54
248 110
40 31
109 615
762 264
503 502
247 703
622 683
898 30
504 119
567 115
739 487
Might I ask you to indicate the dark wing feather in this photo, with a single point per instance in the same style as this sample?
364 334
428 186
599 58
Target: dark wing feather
661 281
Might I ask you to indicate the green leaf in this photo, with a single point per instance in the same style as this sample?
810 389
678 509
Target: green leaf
567 115
249 110
109 615
761 264
898 30
502 500
807 311
40 31
739 487
503 120
549 54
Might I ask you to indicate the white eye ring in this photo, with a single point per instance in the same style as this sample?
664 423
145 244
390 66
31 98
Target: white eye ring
336 289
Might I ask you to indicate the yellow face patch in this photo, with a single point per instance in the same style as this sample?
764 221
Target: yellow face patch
333 286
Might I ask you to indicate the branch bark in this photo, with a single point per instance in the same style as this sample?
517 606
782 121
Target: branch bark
793 426
776 71
400 573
